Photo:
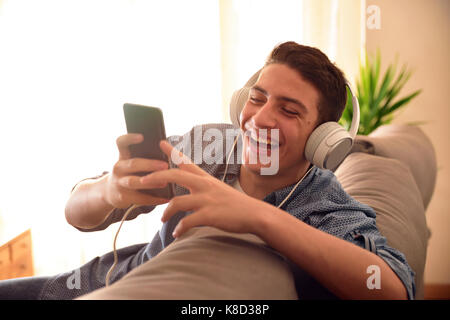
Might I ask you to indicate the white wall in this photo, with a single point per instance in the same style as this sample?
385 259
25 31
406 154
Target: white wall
418 31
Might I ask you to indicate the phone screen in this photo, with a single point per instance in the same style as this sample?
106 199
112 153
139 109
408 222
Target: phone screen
149 122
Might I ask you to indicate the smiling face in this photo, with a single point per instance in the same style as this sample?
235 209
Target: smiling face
280 99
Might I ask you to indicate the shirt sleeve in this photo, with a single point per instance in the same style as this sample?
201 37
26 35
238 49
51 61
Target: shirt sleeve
359 227
115 215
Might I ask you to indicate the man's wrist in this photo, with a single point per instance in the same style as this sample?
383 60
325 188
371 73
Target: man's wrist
262 218
103 192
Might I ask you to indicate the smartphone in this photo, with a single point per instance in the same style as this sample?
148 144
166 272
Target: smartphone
149 122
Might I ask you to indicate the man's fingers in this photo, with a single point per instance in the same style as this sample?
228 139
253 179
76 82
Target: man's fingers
141 199
183 178
134 183
190 221
187 202
181 160
176 156
133 165
124 141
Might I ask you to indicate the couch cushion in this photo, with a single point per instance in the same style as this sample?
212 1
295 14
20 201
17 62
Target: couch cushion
207 263
410 146
388 186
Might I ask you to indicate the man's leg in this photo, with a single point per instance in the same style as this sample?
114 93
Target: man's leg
28 288
91 276
80 281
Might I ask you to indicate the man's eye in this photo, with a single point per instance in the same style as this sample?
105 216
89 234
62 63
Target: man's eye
291 112
256 100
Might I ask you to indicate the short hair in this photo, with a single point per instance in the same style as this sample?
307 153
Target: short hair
315 67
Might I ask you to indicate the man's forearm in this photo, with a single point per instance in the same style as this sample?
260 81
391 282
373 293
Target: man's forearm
337 264
86 207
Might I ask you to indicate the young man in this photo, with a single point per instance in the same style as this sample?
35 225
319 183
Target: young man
297 90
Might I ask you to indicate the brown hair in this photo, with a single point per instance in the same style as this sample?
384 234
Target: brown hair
315 67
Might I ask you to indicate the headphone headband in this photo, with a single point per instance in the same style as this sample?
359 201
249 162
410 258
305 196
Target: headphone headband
355 119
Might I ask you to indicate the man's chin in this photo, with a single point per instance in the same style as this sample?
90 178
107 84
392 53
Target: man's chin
260 169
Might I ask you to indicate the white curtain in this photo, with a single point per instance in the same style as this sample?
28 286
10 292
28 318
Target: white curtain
66 68
337 27
251 28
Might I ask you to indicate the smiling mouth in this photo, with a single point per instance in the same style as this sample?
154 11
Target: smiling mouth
261 140
258 144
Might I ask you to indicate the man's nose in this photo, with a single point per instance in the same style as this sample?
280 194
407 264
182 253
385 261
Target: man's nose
266 116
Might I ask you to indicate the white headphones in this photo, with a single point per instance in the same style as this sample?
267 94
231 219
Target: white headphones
328 144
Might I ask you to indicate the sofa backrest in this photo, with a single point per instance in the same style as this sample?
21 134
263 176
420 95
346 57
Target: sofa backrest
393 171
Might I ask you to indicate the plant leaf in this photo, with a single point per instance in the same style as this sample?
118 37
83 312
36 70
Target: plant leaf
402 102
385 85
376 92
377 66
417 123
396 87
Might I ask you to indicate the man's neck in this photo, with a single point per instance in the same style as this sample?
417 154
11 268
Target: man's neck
259 186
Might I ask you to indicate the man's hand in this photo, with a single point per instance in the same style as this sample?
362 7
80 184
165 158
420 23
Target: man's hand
213 202
122 186
92 200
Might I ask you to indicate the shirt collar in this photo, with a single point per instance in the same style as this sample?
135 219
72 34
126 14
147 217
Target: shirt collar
275 197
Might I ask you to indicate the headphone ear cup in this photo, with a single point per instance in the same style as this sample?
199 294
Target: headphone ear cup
328 145
238 100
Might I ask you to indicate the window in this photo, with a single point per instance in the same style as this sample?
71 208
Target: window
67 67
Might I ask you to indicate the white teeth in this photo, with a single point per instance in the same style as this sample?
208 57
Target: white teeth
262 140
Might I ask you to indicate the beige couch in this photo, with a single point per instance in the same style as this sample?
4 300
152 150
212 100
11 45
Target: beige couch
393 170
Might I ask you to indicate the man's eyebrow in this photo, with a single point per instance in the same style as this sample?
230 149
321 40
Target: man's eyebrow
264 92
283 98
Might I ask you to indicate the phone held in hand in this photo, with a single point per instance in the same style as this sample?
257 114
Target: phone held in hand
149 122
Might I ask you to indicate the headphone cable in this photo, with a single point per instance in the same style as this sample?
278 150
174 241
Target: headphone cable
108 275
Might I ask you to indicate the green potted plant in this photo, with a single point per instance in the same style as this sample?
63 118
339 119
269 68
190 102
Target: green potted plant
377 96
